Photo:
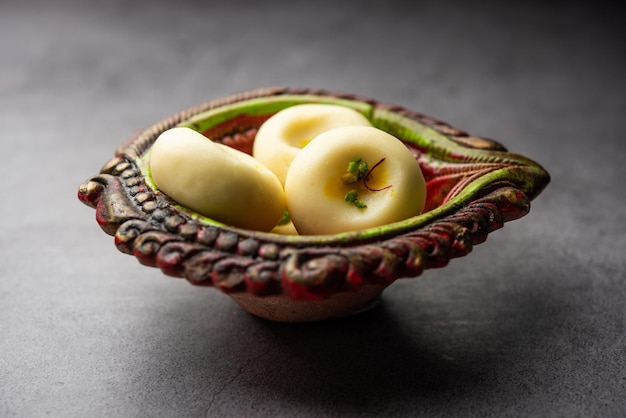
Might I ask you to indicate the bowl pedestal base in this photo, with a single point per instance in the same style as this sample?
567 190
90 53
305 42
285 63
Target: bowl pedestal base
282 309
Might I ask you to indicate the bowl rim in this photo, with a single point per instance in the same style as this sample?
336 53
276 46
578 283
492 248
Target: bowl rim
144 222
458 152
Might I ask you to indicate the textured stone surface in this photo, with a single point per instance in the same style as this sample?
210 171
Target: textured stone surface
530 323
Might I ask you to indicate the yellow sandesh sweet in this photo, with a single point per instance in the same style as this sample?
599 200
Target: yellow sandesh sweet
216 181
284 134
353 178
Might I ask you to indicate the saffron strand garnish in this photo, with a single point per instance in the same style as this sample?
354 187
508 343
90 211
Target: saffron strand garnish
370 172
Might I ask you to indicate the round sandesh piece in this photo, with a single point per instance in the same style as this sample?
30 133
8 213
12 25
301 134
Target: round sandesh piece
353 178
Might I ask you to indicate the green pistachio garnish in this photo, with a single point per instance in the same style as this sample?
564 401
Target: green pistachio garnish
351 197
285 219
359 171
356 171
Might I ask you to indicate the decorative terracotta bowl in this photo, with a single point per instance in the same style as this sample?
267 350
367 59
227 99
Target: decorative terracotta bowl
473 186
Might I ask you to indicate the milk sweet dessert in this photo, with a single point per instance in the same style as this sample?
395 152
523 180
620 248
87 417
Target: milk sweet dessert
337 179
284 134
353 178
216 181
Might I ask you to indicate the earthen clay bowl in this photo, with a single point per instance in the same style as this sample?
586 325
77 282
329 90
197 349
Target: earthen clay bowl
474 186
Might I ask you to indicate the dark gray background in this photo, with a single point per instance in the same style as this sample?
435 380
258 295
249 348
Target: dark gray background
532 323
